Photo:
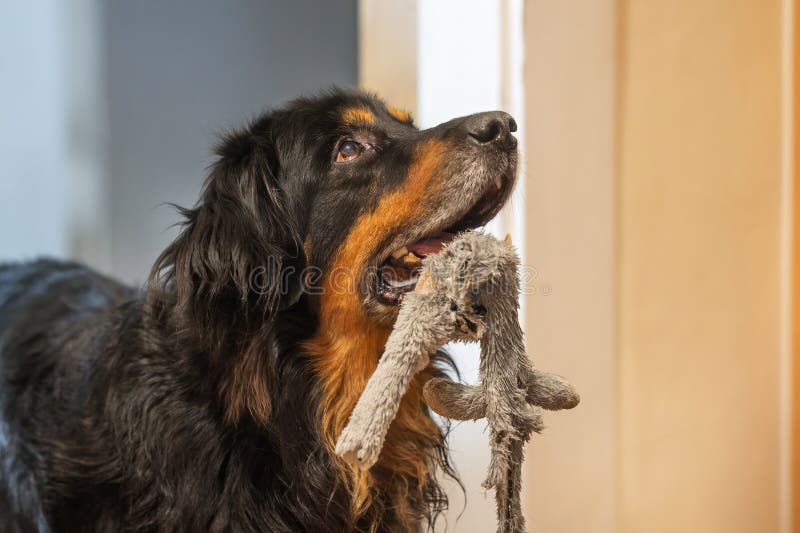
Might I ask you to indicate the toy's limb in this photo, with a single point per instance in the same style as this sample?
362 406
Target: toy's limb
551 391
509 507
453 400
425 323
468 402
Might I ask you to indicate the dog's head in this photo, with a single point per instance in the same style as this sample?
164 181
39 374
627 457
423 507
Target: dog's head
337 198
328 204
384 194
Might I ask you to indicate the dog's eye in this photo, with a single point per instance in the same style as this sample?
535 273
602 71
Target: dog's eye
348 151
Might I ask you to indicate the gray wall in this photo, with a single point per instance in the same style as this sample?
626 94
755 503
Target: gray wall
33 130
181 71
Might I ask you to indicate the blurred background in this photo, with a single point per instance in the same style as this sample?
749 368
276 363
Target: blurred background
656 208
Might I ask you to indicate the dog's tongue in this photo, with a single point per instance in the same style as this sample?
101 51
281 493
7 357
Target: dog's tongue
430 245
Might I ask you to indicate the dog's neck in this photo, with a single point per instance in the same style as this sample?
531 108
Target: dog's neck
345 351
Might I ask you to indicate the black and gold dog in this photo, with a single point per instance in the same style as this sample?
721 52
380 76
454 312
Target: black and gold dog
211 399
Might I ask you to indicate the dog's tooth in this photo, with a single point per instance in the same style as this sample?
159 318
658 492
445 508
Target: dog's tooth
411 259
508 238
400 252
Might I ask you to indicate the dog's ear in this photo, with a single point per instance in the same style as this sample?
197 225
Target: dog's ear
235 264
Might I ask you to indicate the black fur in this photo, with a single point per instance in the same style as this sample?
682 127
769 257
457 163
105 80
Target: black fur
189 405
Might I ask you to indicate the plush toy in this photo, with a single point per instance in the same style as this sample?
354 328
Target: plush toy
468 291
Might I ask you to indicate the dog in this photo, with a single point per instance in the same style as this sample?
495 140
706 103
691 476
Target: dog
211 398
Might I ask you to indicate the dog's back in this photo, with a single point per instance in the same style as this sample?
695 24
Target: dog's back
34 293
46 311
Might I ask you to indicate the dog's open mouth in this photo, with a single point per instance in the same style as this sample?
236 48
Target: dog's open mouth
398 273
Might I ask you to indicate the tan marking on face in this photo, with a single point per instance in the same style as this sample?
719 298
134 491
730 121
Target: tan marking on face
358 116
347 345
400 114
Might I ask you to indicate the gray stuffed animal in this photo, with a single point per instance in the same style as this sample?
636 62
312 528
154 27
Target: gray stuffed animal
468 291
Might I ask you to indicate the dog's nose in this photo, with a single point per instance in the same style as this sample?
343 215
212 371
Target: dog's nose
492 127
